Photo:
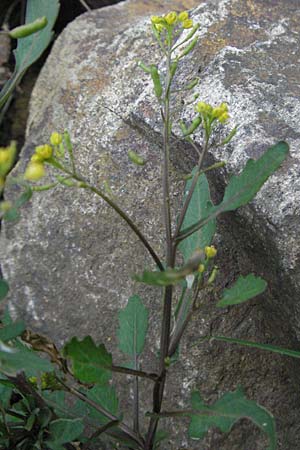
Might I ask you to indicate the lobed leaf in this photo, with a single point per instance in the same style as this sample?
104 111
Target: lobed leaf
91 364
243 289
133 325
63 431
226 411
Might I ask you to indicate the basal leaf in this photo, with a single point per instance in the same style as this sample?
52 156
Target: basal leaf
243 289
106 397
91 364
199 207
4 288
226 411
133 325
63 431
30 48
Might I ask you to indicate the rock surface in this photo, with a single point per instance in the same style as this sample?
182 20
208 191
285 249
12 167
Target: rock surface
69 260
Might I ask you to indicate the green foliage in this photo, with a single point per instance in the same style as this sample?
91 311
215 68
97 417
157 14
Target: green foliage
30 48
106 397
9 332
199 207
133 325
268 347
243 289
242 188
63 431
225 412
91 364
4 288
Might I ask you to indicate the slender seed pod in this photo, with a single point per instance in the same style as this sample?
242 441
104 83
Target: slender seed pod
173 68
29 28
156 81
143 66
189 48
192 84
135 158
195 124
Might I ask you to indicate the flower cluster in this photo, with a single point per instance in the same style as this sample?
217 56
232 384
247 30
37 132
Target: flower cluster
35 170
211 114
171 19
7 157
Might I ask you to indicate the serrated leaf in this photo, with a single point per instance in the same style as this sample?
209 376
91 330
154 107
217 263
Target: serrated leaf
133 325
243 289
29 49
228 410
63 431
199 207
12 331
106 397
91 364
4 288
243 188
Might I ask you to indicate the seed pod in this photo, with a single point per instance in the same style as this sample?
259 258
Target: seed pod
156 81
143 66
29 28
195 124
65 181
189 48
173 68
192 84
135 158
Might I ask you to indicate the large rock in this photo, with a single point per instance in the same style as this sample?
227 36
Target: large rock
70 258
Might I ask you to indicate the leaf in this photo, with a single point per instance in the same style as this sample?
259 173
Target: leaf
30 48
242 188
106 397
63 431
243 289
199 207
268 347
12 331
4 288
226 411
172 276
20 357
5 392
91 364
133 322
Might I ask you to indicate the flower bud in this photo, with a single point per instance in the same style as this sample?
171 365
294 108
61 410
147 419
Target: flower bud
201 268
4 156
56 138
210 252
156 19
184 15
34 171
44 151
188 23
171 18
36 158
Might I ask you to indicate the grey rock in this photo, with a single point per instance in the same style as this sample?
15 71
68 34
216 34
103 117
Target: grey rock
70 258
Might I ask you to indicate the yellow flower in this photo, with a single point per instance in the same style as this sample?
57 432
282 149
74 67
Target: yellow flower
44 151
171 18
188 23
156 19
201 268
223 117
159 27
34 171
203 108
210 251
56 138
184 15
4 156
36 158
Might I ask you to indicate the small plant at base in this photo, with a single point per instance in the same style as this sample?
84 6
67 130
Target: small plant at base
84 369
